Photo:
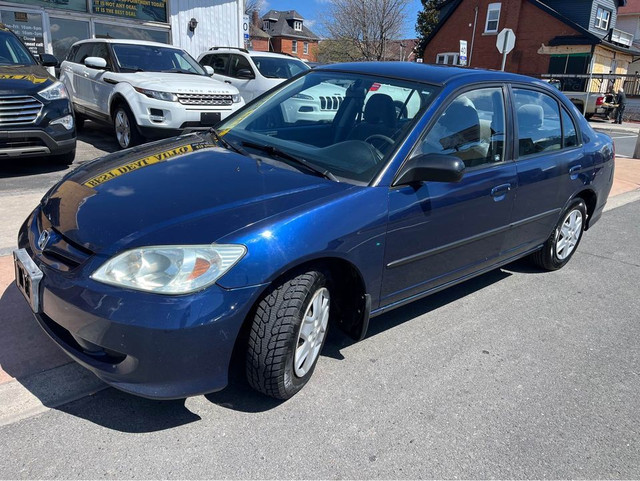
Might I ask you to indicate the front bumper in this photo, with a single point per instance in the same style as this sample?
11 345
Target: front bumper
161 347
53 140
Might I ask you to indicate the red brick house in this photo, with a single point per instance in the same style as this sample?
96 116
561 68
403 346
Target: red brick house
288 34
552 36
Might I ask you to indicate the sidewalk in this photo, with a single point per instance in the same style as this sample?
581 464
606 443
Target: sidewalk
608 125
36 375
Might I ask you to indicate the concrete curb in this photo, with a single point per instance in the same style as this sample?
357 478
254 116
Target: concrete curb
36 394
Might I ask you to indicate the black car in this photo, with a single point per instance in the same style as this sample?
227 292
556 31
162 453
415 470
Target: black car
36 118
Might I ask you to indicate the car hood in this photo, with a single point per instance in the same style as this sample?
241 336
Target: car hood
23 79
174 82
185 190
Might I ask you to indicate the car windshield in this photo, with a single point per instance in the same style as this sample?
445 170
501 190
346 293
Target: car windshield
342 123
274 67
152 58
12 52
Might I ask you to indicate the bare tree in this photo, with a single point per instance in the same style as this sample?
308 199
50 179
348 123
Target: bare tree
251 6
365 27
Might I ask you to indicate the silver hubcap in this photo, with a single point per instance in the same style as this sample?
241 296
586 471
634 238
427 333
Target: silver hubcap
312 332
123 129
569 234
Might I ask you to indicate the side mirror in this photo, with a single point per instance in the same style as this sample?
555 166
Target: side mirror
48 60
245 73
208 69
95 62
433 168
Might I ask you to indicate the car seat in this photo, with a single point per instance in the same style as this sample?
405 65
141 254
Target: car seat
379 118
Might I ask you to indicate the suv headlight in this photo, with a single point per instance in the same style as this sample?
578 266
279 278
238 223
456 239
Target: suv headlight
170 269
156 94
54 91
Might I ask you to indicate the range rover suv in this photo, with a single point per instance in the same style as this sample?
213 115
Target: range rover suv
144 89
36 118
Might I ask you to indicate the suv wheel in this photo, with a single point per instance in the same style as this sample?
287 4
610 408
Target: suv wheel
64 159
126 128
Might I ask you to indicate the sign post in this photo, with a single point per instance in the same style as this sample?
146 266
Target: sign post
245 30
462 59
505 42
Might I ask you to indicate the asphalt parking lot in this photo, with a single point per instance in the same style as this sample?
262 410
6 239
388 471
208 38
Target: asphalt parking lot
516 374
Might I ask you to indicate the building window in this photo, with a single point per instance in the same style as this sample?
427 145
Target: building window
602 18
294 46
265 25
447 58
297 25
305 48
493 18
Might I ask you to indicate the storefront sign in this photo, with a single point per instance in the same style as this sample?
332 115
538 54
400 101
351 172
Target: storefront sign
78 5
27 26
153 10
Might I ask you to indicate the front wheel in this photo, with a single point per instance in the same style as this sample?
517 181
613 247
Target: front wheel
564 239
126 128
288 331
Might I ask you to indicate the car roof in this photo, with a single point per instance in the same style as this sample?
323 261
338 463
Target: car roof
434 74
127 41
251 53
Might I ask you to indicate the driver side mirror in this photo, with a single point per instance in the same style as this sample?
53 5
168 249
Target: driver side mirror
48 60
245 73
95 62
433 168
208 69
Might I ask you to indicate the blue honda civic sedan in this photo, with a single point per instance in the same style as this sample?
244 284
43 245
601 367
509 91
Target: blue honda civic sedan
344 193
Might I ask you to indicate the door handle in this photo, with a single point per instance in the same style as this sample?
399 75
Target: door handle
500 191
573 171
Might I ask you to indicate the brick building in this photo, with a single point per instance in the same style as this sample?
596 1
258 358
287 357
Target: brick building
554 36
284 32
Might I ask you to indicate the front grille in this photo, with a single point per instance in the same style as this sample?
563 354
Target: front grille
19 110
330 103
204 99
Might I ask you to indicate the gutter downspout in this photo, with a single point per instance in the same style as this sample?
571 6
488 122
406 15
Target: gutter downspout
473 35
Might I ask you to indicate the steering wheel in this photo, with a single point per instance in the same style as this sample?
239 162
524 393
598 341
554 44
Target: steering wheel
374 137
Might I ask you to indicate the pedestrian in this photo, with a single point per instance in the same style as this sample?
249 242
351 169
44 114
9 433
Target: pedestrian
621 101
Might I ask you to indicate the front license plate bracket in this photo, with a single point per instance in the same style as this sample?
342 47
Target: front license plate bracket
28 277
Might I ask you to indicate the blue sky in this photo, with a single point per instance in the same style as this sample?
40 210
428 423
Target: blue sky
311 10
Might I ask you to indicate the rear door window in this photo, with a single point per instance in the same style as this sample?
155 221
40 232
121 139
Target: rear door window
538 119
219 62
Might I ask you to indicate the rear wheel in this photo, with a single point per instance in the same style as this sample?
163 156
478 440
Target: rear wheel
288 332
564 239
126 128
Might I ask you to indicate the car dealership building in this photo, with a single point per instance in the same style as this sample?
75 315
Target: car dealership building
52 26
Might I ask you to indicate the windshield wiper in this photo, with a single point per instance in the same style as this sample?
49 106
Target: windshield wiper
179 70
228 144
276 152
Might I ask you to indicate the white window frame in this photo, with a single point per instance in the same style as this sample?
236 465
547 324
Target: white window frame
294 46
446 57
493 7
601 22
305 48
297 25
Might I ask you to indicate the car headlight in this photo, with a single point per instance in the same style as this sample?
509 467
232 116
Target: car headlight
156 94
170 269
236 98
302 97
54 91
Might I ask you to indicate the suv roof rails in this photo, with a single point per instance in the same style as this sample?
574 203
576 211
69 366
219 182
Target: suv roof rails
230 48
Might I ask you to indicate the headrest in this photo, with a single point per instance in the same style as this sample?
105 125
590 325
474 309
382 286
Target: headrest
530 115
380 110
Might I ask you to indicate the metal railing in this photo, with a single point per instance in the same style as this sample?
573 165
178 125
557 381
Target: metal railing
600 83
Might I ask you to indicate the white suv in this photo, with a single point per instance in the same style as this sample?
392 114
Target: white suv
144 89
251 72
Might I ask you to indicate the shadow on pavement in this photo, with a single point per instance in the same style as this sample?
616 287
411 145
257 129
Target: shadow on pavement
123 412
